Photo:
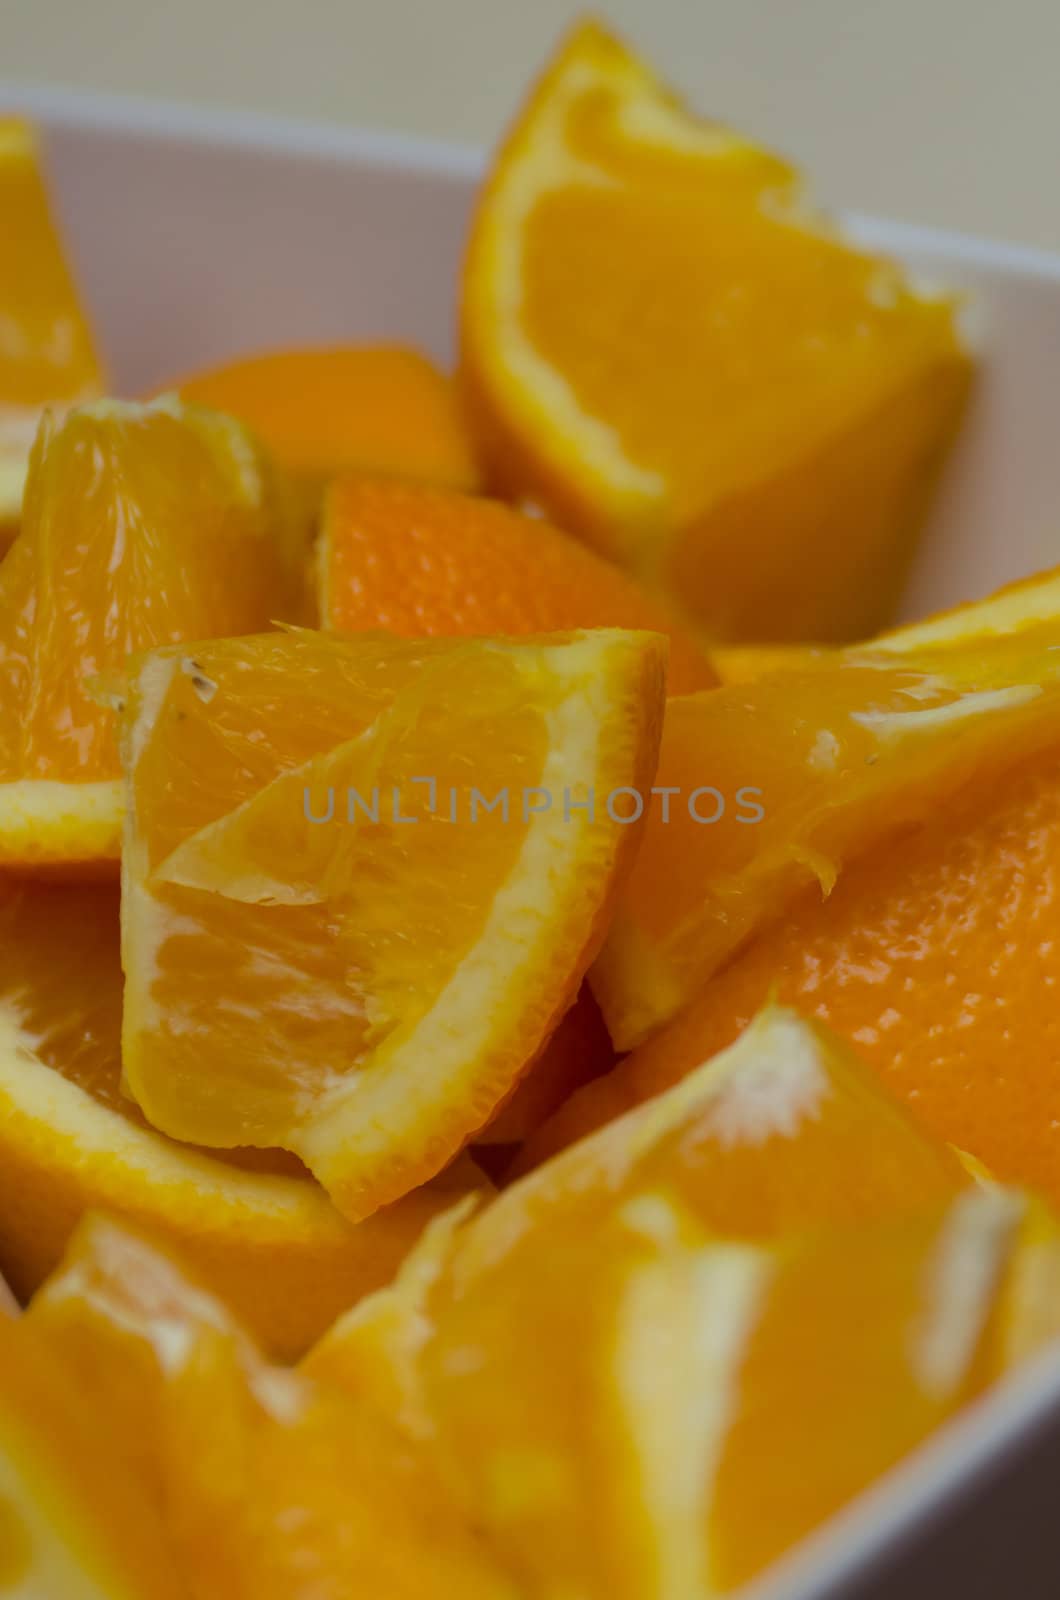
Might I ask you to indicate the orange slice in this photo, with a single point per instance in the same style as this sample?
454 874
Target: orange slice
664 347
142 525
362 880
420 562
636 1408
73 1518
353 408
274 1486
262 1234
747 663
46 354
776 786
578 1052
784 1134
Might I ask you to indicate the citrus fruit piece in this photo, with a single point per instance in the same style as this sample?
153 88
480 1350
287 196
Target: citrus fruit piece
272 1484
778 785
418 562
46 352
578 1052
666 349
353 408
935 955
362 878
785 1134
73 1519
257 1229
142 525
634 1407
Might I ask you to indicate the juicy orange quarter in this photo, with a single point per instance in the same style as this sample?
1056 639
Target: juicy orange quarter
271 1484
420 562
636 1408
666 349
362 879
776 786
74 1520
142 525
254 1226
46 353
934 956
364 408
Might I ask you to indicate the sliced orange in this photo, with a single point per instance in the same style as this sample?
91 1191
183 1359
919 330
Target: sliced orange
142 525
46 353
664 347
363 408
362 879
74 1520
776 786
785 1134
636 1409
257 1229
420 562
273 1485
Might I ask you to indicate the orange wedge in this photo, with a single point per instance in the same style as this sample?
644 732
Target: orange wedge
256 1228
74 1520
46 354
605 1353
272 1485
142 525
362 880
353 408
624 1406
420 562
665 348
776 786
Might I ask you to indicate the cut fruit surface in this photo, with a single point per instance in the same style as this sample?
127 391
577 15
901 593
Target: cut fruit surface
271 1484
142 525
935 956
664 347
46 353
74 1521
362 879
793 778
623 1404
356 408
420 562
261 1233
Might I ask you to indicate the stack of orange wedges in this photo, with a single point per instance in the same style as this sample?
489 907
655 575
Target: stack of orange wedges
527 1040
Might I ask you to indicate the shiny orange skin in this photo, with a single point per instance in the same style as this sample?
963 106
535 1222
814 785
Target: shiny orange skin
936 957
421 562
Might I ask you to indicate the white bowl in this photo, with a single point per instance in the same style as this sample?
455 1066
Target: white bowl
200 236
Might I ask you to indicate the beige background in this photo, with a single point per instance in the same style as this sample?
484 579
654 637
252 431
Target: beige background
943 111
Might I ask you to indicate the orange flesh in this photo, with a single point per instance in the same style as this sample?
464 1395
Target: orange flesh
378 409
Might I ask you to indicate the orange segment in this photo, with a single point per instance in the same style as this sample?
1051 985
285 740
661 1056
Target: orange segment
363 408
274 1487
263 1235
625 1406
421 562
666 348
46 354
747 663
356 891
935 955
785 1134
776 786
142 525
74 1521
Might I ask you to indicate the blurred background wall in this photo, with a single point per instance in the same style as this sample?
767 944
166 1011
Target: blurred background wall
943 111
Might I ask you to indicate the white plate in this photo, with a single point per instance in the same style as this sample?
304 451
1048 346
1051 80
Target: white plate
199 236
